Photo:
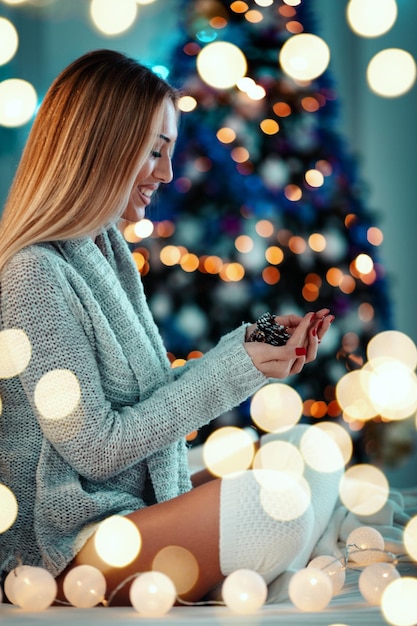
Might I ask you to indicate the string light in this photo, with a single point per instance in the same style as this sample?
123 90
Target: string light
310 589
152 594
84 586
244 591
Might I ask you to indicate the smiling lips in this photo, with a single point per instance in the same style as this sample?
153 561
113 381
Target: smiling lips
146 193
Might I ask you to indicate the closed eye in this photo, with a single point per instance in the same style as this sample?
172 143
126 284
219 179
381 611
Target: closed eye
156 154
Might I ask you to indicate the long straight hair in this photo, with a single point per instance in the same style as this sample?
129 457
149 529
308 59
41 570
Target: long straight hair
93 131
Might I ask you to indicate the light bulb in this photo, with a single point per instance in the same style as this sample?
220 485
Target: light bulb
310 589
333 568
32 588
152 594
221 64
374 579
84 586
244 591
365 545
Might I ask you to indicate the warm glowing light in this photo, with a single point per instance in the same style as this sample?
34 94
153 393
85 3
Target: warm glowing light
365 545
297 244
244 243
189 262
254 16
264 3
364 263
314 178
292 3
310 104
187 104
352 394
293 193
9 40
393 388
282 109
228 449
213 264
112 17
269 127
8 508
393 344
274 255
240 154
364 489
15 352
264 228
410 537
18 102
317 242
341 437
179 565
226 135
391 73
220 64
283 496
244 591
239 6
333 276
31 588
320 451
139 260
170 255
333 568
280 456
398 605
117 541
57 394
304 56
84 586
310 589
375 236
144 228
276 407
271 275
152 594
366 312
233 272
371 18
374 579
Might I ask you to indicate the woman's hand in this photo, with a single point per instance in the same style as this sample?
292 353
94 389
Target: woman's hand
282 361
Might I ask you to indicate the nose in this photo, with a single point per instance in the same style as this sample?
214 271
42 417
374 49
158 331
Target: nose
163 169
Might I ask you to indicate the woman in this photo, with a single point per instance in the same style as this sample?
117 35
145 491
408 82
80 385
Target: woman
75 323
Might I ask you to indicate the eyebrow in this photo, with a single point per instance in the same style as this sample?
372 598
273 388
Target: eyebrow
165 138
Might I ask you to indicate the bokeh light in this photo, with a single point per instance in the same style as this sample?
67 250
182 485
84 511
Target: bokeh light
276 407
179 565
320 451
394 344
391 73
352 394
304 56
392 388
371 18
398 605
280 456
283 496
18 102
57 394
227 450
8 508
244 591
364 489
15 352
341 437
112 17
410 537
9 40
221 64
117 541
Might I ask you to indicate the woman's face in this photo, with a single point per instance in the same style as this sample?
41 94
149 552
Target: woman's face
157 169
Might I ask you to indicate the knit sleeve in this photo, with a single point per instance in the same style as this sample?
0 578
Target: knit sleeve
98 440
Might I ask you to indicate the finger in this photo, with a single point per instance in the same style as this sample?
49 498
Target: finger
290 321
300 334
324 326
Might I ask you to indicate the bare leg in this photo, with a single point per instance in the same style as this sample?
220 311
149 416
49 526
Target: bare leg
190 521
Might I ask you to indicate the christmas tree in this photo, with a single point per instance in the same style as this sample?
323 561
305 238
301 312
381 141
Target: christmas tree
267 211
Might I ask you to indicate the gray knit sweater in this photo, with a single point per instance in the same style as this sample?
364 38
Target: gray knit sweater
122 447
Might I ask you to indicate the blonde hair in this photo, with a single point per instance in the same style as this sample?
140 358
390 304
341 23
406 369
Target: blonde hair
93 131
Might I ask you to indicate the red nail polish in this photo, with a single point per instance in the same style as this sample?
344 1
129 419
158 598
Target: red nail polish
300 351
314 332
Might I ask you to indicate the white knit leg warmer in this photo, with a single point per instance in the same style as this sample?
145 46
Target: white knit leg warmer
251 538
